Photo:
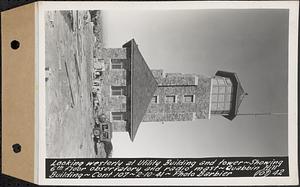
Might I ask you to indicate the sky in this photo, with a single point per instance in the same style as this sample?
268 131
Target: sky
251 43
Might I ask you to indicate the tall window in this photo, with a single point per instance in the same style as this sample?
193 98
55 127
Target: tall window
188 98
221 95
118 116
170 99
116 64
117 90
154 99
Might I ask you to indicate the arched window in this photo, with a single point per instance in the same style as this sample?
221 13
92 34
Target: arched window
221 95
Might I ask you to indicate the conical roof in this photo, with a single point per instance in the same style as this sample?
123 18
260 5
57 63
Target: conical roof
142 86
238 93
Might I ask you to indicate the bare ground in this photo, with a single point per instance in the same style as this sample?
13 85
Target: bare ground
69 112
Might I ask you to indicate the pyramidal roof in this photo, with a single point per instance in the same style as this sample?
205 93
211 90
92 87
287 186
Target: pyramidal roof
238 93
142 86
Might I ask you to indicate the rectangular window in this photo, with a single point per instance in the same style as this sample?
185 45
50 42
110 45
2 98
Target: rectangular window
188 98
214 106
154 99
117 90
116 64
214 81
215 89
228 81
221 98
221 89
117 116
221 81
228 98
228 89
221 106
170 99
227 106
214 98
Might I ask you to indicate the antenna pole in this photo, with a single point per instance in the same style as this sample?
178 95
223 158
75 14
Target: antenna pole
262 114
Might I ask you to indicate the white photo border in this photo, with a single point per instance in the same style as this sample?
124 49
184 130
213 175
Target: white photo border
233 181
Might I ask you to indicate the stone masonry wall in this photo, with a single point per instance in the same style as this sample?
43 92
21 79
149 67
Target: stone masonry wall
180 111
115 77
174 79
174 116
177 80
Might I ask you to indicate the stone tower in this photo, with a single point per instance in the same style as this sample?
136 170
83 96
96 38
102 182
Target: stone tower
129 93
186 97
179 97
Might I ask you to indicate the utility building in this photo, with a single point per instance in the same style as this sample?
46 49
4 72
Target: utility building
130 93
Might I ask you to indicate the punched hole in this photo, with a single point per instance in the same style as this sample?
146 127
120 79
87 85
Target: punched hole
15 44
16 148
